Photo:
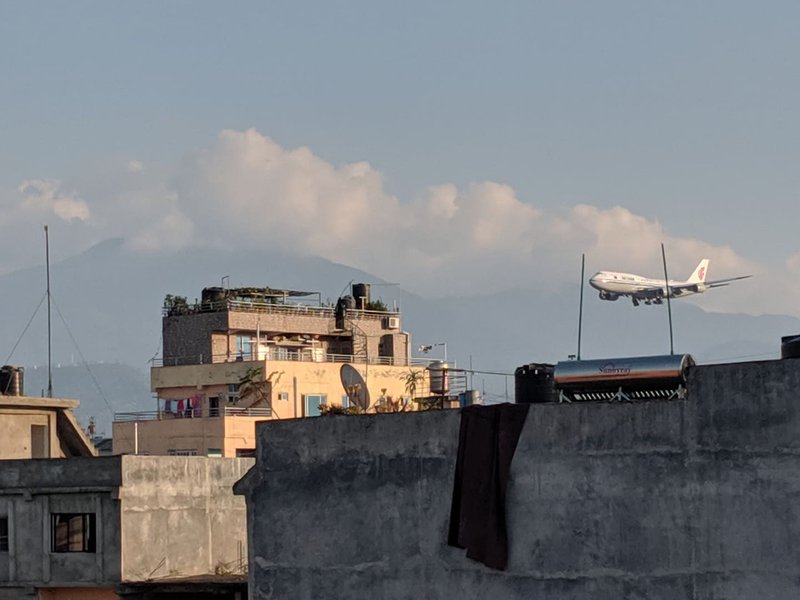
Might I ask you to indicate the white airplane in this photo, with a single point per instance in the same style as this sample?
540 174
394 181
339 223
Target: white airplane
612 285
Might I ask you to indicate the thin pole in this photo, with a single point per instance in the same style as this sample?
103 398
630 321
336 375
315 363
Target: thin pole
580 310
669 304
49 343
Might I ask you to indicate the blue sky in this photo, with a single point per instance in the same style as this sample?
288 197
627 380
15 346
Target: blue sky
682 113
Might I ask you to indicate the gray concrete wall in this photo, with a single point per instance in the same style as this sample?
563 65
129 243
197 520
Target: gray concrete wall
651 500
180 517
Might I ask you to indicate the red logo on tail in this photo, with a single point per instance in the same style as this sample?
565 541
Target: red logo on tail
701 273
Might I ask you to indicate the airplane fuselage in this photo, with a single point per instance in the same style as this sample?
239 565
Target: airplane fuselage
613 285
627 284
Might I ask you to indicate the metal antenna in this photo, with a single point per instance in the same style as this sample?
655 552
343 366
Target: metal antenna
669 304
49 344
580 310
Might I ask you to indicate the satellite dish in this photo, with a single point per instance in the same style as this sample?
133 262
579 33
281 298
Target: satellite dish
354 386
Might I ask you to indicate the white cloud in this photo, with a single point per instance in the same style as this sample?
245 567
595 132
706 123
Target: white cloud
45 196
135 166
246 191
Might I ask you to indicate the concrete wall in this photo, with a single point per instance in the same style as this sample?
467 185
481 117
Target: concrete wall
652 500
180 517
16 442
158 437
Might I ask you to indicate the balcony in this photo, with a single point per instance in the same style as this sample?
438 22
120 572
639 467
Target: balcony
194 413
284 354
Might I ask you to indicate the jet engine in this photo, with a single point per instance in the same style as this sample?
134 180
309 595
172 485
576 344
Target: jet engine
608 295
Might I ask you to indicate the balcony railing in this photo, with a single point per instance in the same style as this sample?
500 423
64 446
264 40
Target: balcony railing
327 312
278 354
192 413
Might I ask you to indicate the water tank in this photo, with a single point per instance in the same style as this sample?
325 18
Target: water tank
11 380
790 346
361 294
440 382
636 372
213 295
534 383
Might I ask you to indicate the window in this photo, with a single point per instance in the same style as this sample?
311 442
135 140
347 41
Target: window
245 453
312 403
214 452
244 347
283 396
73 532
182 452
233 393
213 406
345 401
3 534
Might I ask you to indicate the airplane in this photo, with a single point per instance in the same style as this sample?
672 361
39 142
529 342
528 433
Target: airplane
612 285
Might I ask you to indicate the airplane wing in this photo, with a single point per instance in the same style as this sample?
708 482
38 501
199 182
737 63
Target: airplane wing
721 282
677 290
656 291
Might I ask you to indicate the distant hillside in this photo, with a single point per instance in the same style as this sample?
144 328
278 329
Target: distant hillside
102 390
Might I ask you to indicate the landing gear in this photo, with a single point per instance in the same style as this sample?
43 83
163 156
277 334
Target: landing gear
635 300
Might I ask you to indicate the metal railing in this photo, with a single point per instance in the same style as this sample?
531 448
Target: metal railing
327 312
278 354
192 413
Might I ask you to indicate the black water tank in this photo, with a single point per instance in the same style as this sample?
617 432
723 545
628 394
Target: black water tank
790 346
213 295
361 295
534 383
11 380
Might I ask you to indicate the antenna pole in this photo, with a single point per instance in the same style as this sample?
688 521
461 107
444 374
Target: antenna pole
580 310
669 305
49 344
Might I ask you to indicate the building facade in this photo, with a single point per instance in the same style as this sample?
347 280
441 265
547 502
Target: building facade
101 528
250 354
41 428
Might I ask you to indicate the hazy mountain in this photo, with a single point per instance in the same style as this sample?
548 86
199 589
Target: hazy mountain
103 389
107 309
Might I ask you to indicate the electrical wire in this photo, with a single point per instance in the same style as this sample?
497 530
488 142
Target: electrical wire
38 306
85 362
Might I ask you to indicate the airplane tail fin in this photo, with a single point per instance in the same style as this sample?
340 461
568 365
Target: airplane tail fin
699 275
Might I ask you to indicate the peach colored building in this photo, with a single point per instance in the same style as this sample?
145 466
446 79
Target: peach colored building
244 355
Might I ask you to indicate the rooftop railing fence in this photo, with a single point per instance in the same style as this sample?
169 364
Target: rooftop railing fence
191 413
278 354
268 307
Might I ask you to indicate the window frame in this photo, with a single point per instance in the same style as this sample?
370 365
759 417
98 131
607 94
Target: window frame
87 531
323 399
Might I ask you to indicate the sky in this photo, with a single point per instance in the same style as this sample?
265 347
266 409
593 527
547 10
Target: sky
451 147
